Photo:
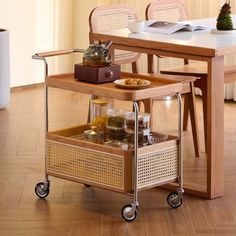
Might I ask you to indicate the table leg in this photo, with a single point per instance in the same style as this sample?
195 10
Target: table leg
215 127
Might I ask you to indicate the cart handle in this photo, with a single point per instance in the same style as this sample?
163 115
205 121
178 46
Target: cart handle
42 55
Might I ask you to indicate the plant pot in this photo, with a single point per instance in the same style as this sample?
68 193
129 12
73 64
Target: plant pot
4 68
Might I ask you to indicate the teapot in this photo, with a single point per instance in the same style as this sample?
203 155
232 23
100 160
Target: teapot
98 54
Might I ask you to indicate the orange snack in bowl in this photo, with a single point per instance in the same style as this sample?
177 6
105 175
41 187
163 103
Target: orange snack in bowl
134 81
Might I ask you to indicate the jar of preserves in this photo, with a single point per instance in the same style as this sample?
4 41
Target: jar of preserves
98 116
115 124
143 121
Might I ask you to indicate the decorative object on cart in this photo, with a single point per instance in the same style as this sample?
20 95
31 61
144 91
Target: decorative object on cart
224 20
157 138
99 108
143 121
98 54
96 67
97 75
132 83
143 128
116 125
4 69
94 135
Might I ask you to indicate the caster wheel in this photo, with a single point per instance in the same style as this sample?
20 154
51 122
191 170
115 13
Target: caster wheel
173 200
40 190
127 214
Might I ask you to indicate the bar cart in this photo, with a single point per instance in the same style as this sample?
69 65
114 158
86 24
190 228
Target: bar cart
70 157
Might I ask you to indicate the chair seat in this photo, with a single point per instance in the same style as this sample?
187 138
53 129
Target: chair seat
200 70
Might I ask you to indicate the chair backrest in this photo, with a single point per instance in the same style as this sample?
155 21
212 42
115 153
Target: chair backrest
107 18
167 10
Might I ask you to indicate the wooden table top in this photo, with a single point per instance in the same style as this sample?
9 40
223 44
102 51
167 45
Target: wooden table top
203 43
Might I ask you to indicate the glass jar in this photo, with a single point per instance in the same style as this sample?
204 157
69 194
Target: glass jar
115 124
143 121
115 118
98 116
94 135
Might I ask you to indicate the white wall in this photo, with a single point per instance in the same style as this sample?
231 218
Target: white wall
29 23
64 28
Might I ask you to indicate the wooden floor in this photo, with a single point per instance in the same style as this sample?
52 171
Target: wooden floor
71 208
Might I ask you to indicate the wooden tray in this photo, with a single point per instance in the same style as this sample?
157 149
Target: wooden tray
165 85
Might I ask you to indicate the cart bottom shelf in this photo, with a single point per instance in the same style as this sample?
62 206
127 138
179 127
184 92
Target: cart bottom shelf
108 167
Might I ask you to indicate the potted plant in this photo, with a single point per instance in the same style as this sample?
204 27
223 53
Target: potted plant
224 20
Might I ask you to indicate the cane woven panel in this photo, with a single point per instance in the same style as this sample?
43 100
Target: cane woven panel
158 166
167 10
88 164
107 18
107 169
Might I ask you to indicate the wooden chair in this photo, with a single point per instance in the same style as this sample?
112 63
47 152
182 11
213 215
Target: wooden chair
174 11
165 10
108 18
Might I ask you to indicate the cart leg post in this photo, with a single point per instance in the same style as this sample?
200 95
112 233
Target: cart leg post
180 126
175 199
135 166
42 188
47 184
129 212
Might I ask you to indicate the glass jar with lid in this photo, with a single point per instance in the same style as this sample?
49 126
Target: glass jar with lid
94 135
98 116
115 124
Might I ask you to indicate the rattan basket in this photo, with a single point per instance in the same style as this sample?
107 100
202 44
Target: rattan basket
107 167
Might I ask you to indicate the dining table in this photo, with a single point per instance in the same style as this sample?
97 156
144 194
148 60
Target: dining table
206 45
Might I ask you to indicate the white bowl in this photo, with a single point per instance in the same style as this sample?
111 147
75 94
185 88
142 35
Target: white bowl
136 26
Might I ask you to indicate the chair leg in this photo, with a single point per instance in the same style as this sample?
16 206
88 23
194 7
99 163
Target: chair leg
148 108
147 102
150 64
202 84
135 67
186 110
204 107
193 117
147 105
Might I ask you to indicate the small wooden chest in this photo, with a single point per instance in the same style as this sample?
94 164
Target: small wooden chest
97 75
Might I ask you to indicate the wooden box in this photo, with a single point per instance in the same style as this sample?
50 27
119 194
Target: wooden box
97 75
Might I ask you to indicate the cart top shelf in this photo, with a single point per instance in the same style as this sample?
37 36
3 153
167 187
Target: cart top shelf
161 85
